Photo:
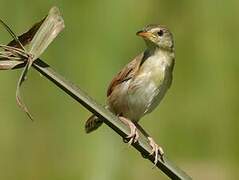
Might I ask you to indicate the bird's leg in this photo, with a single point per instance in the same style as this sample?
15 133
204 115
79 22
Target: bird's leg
156 149
134 135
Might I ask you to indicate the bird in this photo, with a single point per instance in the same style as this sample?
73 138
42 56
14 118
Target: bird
141 85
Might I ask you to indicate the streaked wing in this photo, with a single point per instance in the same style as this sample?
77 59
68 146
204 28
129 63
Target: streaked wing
126 73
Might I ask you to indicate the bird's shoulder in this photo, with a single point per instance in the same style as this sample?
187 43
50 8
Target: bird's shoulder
126 73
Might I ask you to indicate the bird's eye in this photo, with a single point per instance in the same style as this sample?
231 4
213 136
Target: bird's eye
160 32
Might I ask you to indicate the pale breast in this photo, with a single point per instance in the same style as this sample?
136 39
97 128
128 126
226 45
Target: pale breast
142 93
149 87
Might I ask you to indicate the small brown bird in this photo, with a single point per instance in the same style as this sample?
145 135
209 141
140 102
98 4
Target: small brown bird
140 86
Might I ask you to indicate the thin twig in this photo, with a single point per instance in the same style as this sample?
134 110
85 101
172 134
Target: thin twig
110 119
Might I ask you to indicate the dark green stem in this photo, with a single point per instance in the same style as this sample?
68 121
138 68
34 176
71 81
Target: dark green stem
110 119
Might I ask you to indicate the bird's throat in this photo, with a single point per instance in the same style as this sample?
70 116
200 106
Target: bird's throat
158 54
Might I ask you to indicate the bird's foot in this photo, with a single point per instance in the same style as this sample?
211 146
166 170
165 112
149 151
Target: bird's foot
156 150
134 135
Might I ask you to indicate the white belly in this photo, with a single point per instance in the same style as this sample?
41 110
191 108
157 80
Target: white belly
141 94
145 93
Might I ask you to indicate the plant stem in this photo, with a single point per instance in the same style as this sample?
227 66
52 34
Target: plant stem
110 119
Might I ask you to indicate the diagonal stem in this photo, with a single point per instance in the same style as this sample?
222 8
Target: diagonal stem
169 168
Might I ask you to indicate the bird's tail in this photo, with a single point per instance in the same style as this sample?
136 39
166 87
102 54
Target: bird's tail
92 124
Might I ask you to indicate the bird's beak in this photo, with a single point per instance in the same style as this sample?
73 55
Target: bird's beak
144 34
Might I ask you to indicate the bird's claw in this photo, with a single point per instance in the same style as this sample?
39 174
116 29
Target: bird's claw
133 135
156 150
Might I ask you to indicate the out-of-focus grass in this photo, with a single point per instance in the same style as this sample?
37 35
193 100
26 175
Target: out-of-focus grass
201 106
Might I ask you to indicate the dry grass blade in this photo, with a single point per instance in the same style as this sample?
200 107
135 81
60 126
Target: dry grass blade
11 58
11 64
20 102
14 52
26 37
11 33
39 37
49 29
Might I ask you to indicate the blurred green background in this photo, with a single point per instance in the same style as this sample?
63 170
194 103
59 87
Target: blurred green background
197 123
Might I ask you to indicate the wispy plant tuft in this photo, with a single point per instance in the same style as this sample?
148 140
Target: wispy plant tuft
38 37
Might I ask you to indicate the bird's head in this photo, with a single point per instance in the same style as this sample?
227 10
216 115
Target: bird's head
157 36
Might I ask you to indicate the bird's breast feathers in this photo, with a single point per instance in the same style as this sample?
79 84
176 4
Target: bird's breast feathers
143 91
152 81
